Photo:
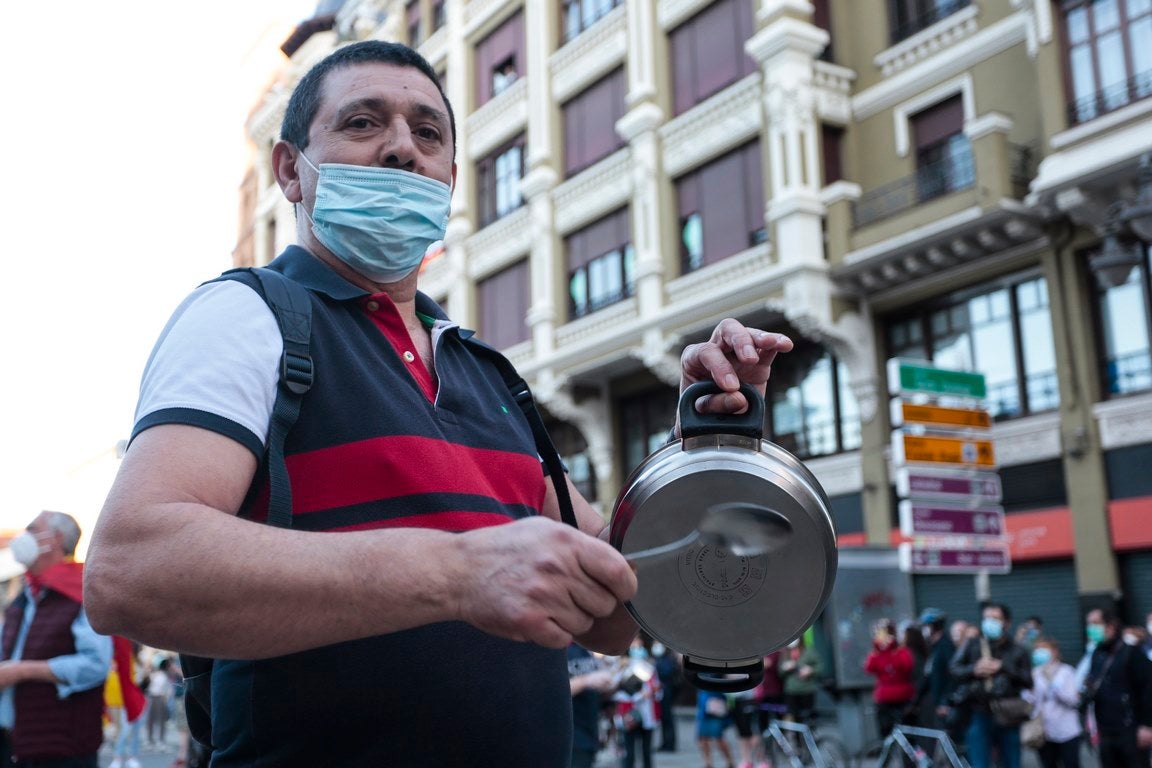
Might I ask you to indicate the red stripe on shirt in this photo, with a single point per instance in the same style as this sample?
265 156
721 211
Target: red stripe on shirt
441 521
395 466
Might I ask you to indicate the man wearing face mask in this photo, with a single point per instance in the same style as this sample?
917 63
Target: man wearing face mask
989 668
1119 690
426 552
54 665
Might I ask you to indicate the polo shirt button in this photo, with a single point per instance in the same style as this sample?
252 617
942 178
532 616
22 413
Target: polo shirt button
409 356
373 306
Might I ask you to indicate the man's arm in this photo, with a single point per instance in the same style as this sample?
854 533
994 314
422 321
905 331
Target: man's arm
168 535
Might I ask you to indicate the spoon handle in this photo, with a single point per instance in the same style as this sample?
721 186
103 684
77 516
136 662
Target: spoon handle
663 549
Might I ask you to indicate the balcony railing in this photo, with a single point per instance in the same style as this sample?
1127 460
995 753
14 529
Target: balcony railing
1128 373
949 174
1106 100
941 9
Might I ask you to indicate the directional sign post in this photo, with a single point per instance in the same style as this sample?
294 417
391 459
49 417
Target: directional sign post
920 559
923 518
945 462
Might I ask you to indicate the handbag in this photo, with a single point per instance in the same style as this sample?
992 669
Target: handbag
1032 731
1011 710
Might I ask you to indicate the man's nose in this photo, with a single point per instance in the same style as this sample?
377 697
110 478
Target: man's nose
399 151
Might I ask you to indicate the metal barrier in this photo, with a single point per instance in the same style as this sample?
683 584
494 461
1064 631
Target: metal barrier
775 732
919 757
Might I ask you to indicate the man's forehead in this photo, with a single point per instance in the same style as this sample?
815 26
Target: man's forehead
377 80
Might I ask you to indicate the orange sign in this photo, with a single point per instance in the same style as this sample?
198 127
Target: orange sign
951 417
943 450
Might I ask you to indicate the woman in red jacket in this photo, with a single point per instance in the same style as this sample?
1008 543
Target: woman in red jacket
892 666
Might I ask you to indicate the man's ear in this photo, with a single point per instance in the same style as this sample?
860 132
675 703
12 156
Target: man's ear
284 156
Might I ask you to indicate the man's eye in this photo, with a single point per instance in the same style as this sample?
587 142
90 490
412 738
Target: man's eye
428 133
360 123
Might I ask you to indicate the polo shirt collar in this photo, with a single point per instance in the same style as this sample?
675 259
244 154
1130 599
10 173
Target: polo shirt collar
304 268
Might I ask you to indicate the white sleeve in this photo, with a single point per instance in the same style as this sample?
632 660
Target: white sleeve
215 365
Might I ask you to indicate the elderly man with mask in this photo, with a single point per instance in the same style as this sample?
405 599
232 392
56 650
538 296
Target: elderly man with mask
54 664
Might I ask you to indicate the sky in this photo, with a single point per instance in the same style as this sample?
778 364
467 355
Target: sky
123 150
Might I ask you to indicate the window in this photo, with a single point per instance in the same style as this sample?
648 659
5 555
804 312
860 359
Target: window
590 123
721 208
1003 331
644 423
502 305
600 265
439 15
581 14
498 181
831 137
499 58
822 18
943 152
707 52
907 17
412 16
573 450
1109 58
811 408
1125 322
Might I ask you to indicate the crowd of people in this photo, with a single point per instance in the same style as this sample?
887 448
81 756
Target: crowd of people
994 689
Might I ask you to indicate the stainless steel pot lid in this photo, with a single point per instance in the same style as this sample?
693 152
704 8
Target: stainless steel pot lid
704 600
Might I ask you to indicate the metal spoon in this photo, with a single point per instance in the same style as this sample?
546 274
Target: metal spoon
745 530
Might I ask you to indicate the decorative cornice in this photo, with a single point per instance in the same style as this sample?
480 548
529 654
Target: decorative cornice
1124 421
590 55
989 122
500 243
839 191
770 10
941 35
479 15
599 190
747 267
671 13
833 86
786 34
539 181
723 122
1027 440
639 120
593 326
956 59
499 120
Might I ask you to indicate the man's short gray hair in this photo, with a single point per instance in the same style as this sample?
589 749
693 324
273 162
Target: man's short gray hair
68 529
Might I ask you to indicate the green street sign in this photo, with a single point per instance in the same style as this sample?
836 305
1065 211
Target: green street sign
905 376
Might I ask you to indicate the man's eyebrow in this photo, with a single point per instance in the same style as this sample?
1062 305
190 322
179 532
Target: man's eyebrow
381 106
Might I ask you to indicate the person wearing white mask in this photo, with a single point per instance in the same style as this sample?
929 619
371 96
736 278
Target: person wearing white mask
425 551
1056 696
53 663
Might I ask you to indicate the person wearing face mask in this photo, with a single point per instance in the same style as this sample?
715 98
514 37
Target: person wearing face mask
1118 688
53 663
1055 695
990 669
638 711
423 527
891 664
936 683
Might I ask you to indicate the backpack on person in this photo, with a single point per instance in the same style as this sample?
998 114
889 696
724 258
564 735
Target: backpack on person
291 303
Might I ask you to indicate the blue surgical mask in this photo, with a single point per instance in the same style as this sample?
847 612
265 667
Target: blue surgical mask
638 653
378 221
992 629
1041 656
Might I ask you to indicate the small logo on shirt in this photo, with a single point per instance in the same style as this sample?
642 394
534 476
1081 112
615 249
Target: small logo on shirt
503 408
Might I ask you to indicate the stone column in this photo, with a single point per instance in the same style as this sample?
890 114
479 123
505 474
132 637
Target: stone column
461 296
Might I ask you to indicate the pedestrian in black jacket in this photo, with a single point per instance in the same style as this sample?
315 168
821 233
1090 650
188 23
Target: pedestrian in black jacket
1119 689
990 671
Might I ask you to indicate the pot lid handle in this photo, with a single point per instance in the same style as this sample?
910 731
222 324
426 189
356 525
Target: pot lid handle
747 424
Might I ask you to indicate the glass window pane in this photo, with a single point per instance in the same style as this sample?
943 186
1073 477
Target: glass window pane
1113 75
1001 308
1126 344
1083 78
1105 16
819 413
1077 25
1137 7
1140 36
849 411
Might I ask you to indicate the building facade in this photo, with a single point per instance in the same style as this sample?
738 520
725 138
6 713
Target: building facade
958 181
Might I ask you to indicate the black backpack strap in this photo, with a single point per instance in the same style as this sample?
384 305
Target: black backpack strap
292 305
523 397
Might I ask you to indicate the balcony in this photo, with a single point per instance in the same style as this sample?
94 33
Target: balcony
1110 99
903 28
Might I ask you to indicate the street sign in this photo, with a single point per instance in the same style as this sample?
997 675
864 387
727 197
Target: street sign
926 518
937 416
941 450
959 485
919 559
911 376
